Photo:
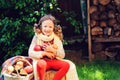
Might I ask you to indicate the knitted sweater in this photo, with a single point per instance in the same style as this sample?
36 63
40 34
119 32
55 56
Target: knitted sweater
38 41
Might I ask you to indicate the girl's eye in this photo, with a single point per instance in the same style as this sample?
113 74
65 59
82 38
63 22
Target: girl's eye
45 26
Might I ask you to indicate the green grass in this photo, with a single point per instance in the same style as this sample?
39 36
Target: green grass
99 71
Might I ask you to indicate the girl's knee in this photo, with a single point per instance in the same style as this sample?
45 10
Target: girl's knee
41 64
72 65
67 65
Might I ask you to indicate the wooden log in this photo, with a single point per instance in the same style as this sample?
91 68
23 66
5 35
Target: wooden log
118 17
95 2
102 8
95 16
111 14
117 2
103 24
93 9
97 47
50 74
100 56
104 16
116 26
110 51
107 31
89 31
93 23
110 40
112 21
117 33
104 2
118 8
97 31
111 7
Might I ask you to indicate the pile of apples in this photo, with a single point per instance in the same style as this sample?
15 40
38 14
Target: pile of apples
20 68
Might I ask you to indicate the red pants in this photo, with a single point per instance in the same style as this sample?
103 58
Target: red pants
47 64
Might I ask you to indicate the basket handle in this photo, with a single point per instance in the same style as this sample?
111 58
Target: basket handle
24 60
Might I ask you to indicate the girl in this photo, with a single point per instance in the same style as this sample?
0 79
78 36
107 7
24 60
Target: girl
50 49
47 49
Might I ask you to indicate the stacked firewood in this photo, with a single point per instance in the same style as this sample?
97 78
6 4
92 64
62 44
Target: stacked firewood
105 18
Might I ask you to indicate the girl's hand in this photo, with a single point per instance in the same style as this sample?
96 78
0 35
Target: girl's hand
54 46
49 55
50 48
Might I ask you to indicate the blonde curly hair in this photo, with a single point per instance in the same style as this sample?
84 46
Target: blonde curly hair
57 28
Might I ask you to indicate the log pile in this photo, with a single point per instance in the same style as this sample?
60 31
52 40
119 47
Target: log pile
105 18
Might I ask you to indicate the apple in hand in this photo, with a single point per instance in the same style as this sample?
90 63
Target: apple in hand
28 69
37 48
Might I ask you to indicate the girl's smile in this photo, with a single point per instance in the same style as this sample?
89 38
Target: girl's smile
47 27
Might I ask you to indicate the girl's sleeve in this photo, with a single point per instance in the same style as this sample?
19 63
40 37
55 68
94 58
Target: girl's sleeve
31 52
60 51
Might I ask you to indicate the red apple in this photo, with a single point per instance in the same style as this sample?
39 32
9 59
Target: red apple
37 48
28 69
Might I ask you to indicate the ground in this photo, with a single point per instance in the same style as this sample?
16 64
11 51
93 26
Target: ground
75 56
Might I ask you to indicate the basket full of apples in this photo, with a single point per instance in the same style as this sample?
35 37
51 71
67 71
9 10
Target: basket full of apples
21 69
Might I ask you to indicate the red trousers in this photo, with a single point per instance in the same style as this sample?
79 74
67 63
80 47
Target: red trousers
46 64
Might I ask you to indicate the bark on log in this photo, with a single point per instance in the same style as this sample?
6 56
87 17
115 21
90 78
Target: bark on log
50 74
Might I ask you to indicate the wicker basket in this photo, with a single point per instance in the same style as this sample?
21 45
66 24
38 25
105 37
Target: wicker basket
10 77
18 76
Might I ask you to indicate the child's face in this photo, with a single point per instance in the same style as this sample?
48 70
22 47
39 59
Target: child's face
47 27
